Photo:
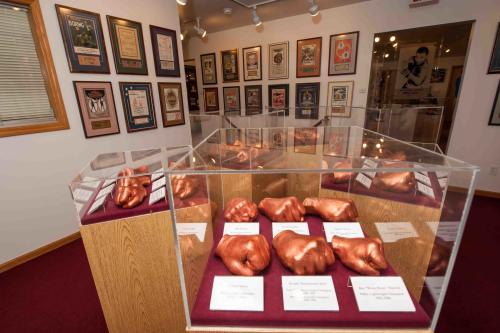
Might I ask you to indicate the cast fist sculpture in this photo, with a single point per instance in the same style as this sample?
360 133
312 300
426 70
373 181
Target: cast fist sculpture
399 182
130 190
184 186
303 254
244 255
340 177
330 209
240 210
282 209
363 255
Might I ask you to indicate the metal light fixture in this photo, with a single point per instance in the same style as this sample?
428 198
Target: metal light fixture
184 34
255 18
377 39
392 39
182 2
314 8
199 30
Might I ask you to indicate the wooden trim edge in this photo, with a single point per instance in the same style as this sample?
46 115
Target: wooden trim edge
488 194
38 252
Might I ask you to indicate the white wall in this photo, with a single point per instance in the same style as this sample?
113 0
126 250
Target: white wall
35 170
472 139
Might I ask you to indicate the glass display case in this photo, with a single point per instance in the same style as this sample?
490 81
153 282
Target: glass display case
317 227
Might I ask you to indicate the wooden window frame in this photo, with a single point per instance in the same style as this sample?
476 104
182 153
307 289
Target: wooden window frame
48 72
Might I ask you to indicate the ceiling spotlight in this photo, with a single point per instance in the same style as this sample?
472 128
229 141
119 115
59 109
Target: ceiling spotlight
392 39
314 8
447 51
227 11
199 30
377 39
182 2
255 18
395 45
184 34
386 55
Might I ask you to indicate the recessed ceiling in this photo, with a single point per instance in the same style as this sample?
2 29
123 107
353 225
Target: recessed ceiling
213 18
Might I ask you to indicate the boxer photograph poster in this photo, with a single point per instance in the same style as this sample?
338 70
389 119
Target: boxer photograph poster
414 71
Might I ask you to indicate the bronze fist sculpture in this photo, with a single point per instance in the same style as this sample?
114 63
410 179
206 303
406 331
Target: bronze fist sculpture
130 190
282 209
244 255
334 210
340 177
303 254
362 255
240 210
399 182
184 186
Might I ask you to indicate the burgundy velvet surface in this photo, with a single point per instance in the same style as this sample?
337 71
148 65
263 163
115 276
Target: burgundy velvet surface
275 316
413 197
262 160
109 211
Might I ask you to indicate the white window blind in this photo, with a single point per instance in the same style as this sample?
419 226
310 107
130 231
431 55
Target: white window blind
23 94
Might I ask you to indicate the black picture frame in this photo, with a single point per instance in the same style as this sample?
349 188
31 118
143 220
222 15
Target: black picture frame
85 58
138 121
227 108
495 111
230 75
301 70
270 95
494 67
204 78
164 67
172 103
307 107
127 65
354 34
214 90
258 49
251 106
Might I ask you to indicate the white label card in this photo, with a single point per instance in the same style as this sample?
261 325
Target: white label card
159 183
237 228
393 231
299 227
425 173
105 191
91 182
156 174
381 294
342 229
426 190
441 174
197 229
434 285
370 164
423 178
364 180
82 195
237 293
443 182
157 195
445 230
309 293
96 205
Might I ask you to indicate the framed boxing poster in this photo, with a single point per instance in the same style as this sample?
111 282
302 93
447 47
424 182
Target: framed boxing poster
253 100
304 140
208 68
138 106
278 95
165 51
230 67
343 53
172 106
309 57
307 100
278 61
252 63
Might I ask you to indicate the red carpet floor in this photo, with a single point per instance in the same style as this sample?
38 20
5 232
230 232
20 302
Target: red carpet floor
55 292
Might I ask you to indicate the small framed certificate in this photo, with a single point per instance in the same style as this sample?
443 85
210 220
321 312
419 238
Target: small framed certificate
165 51
138 106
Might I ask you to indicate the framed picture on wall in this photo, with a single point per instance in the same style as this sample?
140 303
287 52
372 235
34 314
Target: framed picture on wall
252 63
233 136
83 40
138 106
340 98
107 160
211 96
336 141
343 53
128 46
495 54
277 138
172 105
208 68
165 51
97 108
438 75
278 61
278 95
495 112
307 100
231 96
253 100
230 68
253 137
304 140
309 57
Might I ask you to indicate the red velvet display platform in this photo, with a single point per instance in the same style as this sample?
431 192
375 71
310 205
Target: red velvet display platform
414 197
109 211
275 316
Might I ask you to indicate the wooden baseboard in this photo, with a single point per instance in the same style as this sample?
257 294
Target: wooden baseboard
38 252
488 194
